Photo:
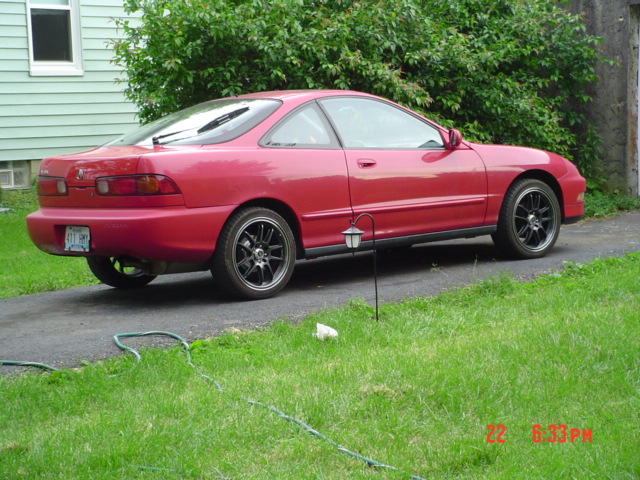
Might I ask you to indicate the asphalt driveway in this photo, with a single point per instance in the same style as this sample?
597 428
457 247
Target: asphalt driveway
64 328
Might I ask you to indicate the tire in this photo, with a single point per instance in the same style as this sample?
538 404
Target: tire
255 254
111 271
529 220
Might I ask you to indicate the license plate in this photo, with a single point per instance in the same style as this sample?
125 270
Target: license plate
76 239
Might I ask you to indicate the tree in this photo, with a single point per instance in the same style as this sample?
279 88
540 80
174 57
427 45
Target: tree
502 71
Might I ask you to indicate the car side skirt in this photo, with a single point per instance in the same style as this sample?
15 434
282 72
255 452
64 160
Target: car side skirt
570 220
396 242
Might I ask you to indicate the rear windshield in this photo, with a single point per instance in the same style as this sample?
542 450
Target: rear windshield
208 123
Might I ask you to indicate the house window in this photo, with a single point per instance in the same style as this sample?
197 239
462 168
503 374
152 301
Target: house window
54 37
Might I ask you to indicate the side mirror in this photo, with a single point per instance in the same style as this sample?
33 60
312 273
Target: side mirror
455 138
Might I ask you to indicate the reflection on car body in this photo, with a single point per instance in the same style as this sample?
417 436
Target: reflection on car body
244 186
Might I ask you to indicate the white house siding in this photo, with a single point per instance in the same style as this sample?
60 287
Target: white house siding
42 116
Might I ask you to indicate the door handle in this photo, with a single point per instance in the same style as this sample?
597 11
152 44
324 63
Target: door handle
366 163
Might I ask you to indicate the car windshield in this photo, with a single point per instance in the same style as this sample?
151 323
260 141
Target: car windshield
208 123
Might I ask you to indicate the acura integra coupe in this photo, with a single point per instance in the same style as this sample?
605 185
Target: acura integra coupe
245 186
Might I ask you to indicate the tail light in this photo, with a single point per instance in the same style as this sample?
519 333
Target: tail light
136 185
52 186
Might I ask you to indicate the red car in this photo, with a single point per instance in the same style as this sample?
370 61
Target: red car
244 186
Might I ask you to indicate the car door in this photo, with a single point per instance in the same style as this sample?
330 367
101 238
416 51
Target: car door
401 173
310 175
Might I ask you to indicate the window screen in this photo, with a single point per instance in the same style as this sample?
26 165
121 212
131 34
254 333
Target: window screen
51 35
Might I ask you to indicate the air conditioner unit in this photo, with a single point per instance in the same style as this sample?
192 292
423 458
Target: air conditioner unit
6 178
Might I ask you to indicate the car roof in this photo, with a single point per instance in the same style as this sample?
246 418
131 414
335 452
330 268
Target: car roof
300 94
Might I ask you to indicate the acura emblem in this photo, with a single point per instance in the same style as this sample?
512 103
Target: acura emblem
80 174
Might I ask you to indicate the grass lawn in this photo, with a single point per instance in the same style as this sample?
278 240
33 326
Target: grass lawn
25 269
418 390
497 380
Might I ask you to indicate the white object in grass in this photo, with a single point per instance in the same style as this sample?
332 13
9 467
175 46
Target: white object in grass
322 332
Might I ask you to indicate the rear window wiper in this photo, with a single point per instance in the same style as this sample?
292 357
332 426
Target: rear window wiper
216 122
222 119
157 138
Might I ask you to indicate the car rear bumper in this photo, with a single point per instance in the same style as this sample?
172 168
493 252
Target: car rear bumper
172 234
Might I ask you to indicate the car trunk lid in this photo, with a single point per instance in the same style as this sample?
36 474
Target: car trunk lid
80 171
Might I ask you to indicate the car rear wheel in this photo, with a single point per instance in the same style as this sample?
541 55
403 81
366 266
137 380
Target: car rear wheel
255 254
113 272
529 221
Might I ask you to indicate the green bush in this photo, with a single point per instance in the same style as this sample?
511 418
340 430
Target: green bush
600 205
502 71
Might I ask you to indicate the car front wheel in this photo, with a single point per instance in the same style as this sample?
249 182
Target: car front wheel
529 221
255 254
113 272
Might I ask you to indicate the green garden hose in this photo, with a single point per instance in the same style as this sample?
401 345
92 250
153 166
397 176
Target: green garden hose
187 350
28 364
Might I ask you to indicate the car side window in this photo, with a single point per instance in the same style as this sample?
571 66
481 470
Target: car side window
370 123
304 128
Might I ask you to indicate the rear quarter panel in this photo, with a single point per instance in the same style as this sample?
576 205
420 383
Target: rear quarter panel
312 183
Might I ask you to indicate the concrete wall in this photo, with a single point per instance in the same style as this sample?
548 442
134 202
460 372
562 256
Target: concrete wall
614 110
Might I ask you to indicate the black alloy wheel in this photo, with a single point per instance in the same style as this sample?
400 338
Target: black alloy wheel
115 273
529 221
255 254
